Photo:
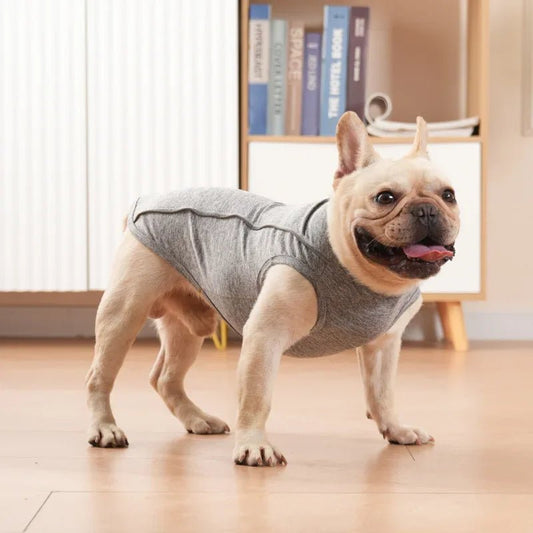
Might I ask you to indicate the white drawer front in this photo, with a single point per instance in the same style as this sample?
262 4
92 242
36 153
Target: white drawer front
302 172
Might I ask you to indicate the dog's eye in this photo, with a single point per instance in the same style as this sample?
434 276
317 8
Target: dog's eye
448 196
385 198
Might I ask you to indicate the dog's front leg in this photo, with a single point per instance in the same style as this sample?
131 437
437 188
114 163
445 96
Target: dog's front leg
285 311
379 361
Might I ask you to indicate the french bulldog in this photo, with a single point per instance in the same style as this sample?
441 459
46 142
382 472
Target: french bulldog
387 226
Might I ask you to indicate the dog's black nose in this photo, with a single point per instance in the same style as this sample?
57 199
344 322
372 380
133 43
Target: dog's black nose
426 214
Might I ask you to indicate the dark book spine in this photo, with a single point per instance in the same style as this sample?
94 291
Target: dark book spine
311 84
357 60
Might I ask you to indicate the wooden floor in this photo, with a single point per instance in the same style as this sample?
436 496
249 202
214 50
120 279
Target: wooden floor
341 476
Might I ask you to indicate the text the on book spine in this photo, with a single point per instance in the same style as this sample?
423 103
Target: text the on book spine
258 67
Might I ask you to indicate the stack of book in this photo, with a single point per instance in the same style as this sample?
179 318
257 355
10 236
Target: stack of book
301 82
454 128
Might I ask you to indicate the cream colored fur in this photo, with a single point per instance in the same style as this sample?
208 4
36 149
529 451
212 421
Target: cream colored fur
142 285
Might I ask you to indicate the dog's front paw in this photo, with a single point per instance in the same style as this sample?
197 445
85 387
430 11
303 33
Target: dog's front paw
107 435
255 450
397 434
206 425
258 454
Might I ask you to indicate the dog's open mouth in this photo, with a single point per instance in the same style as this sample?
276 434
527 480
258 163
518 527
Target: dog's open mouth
418 260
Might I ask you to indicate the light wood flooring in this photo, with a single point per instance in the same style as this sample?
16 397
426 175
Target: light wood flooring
341 476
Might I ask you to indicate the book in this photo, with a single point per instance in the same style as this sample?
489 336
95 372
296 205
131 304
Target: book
357 59
453 132
277 78
334 59
311 84
392 126
258 68
295 60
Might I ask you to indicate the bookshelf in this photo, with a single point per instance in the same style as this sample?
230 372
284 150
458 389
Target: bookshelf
376 140
431 57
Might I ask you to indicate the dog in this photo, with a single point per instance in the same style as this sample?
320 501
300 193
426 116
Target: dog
304 281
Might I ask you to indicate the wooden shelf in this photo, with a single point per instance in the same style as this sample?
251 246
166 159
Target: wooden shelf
92 298
51 298
429 297
376 140
414 50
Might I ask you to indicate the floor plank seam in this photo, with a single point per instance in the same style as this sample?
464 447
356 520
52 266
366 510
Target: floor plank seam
38 511
410 453
252 492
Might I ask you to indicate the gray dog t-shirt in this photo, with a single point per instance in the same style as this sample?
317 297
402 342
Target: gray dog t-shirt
223 241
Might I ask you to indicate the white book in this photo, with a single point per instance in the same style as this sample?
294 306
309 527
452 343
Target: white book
454 132
389 125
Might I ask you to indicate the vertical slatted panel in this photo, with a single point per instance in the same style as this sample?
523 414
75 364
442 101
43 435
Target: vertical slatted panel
42 146
163 107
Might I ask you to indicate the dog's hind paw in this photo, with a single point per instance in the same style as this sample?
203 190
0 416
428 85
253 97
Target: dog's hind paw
106 435
206 425
406 435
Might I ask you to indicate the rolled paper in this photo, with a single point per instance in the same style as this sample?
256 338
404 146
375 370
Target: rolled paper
378 106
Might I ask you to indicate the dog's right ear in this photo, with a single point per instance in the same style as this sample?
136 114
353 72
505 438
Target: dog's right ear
354 146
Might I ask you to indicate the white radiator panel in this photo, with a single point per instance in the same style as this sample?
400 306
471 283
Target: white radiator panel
163 107
42 146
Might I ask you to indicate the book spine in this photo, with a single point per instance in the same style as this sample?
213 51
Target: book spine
295 45
311 84
258 67
277 81
334 59
357 59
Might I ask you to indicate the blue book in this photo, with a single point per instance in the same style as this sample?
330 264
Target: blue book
334 63
258 68
311 84
277 83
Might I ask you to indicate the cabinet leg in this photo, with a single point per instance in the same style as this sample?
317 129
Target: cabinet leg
453 324
220 337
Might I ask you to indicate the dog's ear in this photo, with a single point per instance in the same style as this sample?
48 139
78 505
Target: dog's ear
354 146
420 144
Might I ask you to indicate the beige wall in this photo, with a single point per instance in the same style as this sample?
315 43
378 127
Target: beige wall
509 172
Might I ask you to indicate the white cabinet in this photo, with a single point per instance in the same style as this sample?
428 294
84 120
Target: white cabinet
43 214
303 172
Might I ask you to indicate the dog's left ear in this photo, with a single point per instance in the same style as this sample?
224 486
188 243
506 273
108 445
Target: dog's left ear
420 144
354 146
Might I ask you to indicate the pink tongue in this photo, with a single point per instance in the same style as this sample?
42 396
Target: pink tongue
427 253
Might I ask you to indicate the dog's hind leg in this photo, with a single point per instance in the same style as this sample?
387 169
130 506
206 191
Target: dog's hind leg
138 277
179 348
